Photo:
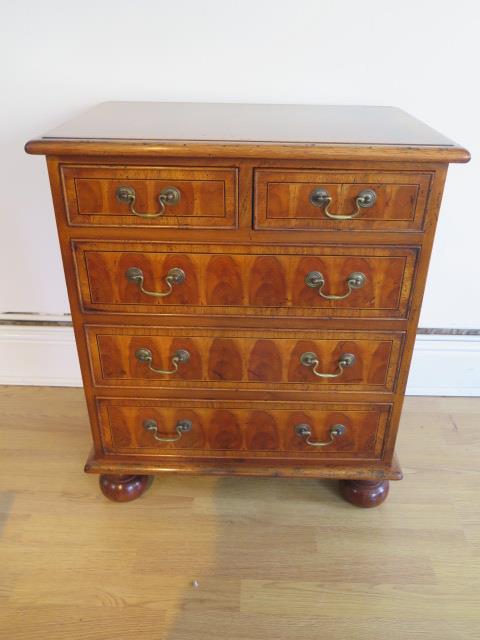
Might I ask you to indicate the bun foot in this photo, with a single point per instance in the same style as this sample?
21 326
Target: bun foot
364 493
123 488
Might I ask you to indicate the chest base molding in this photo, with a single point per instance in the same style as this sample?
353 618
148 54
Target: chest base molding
237 467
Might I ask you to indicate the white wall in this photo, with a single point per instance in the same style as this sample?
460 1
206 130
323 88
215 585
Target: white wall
58 58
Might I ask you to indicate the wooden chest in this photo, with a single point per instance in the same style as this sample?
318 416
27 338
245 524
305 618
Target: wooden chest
245 284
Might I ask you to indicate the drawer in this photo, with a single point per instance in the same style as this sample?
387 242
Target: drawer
171 196
336 200
254 429
234 359
290 281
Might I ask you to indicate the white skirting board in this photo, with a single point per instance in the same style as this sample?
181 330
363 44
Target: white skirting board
443 365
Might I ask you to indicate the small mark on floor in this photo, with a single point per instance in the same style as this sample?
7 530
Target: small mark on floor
453 423
6 503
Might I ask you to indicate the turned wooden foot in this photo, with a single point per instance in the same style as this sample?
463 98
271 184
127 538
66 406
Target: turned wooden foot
123 488
363 493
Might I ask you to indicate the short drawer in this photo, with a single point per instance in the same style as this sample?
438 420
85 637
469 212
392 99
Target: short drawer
153 196
254 429
299 360
366 282
331 200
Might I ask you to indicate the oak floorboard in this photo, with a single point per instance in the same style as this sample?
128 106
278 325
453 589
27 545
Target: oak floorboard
273 558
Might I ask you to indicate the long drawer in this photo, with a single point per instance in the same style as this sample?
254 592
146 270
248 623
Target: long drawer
233 359
232 428
367 282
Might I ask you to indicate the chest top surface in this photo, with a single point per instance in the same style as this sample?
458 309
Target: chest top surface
202 128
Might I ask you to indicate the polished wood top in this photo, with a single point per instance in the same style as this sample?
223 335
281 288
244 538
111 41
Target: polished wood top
204 128
249 123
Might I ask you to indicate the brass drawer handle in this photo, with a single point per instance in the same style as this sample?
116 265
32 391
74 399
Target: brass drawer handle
182 426
321 198
310 359
166 197
174 276
181 356
305 431
355 280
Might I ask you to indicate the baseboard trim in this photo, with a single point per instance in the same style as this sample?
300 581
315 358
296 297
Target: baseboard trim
445 365
45 354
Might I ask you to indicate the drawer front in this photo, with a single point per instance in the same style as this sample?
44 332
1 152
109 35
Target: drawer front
134 278
287 199
266 430
170 196
298 360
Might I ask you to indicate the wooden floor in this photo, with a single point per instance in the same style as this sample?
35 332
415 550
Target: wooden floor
273 559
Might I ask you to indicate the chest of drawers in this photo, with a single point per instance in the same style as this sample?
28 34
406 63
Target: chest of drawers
245 284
